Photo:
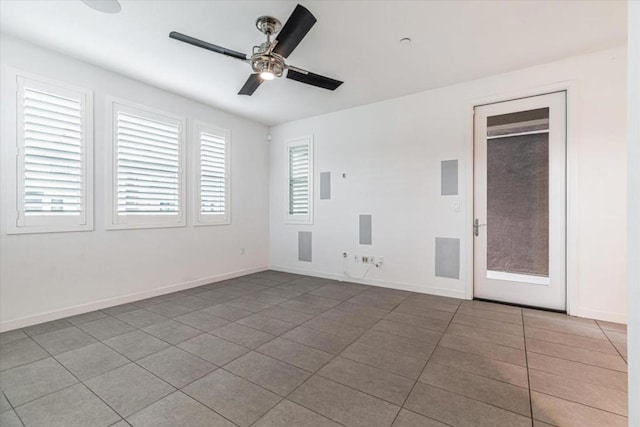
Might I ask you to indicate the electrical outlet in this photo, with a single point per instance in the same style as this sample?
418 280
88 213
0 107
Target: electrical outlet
365 260
356 259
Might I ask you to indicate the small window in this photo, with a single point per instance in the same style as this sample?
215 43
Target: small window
53 171
211 167
299 181
147 162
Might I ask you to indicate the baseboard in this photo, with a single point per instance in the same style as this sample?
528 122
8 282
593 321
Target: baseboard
412 287
607 316
23 322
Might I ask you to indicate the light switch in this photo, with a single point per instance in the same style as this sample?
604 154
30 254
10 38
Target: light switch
456 206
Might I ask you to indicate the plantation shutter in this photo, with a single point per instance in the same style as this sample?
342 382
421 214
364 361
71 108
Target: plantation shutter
299 179
52 152
213 174
148 165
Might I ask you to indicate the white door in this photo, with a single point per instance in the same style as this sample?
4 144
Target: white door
520 201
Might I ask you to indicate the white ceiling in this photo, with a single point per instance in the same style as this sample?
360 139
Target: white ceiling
353 41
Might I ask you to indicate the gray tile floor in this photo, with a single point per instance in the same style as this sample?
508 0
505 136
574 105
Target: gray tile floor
276 349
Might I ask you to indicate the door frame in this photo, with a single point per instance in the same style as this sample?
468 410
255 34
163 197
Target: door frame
571 89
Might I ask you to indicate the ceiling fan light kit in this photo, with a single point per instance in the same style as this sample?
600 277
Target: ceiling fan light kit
268 59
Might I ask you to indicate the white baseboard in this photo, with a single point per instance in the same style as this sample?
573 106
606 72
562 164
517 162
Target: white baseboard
412 287
35 319
600 315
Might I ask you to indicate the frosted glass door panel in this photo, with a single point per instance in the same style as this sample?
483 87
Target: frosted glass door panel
518 204
518 193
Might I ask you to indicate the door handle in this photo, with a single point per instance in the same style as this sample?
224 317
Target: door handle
476 227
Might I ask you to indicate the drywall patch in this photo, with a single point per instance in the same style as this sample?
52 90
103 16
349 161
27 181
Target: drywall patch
449 178
448 257
325 185
365 229
304 246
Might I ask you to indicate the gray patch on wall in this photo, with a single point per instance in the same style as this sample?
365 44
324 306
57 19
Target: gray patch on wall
304 246
365 229
325 185
448 257
449 178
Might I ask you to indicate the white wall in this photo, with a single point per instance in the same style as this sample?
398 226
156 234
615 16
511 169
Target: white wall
46 276
391 152
633 114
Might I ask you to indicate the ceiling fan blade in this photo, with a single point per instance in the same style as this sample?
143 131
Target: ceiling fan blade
294 30
208 46
313 79
251 85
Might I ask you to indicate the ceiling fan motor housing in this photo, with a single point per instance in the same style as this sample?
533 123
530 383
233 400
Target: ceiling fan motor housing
268 63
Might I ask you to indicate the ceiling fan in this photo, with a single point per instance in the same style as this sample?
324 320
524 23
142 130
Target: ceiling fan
268 58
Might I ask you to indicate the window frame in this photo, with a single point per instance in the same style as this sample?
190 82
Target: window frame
200 219
304 219
114 221
13 155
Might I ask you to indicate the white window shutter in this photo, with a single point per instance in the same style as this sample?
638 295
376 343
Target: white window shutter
52 154
213 175
299 182
53 170
148 166
147 163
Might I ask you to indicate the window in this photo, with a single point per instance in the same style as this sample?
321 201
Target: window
147 163
53 173
211 166
299 162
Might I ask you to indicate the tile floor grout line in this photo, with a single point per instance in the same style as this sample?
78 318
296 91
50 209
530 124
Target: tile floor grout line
485 328
338 355
580 403
72 385
179 390
613 371
477 400
255 350
426 363
176 389
294 390
314 316
129 362
316 373
584 363
568 332
485 341
13 408
303 382
526 361
613 345
483 375
545 354
578 380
